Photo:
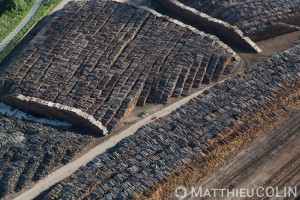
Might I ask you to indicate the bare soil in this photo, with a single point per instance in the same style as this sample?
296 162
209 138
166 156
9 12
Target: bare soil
273 161
270 47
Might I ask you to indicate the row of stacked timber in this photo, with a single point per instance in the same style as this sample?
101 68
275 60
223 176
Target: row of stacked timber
151 155
29 151
102 58
256 19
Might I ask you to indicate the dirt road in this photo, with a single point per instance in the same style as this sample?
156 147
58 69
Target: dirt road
273 161
270 47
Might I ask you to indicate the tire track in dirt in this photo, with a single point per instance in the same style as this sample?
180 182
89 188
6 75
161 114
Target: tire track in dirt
256 166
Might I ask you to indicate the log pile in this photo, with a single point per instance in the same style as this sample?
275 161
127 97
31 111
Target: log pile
151 154
29 151
103 58
257 19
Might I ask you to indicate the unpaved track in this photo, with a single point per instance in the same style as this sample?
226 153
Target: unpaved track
272 161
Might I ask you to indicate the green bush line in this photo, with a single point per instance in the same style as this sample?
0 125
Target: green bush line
13 18
46 7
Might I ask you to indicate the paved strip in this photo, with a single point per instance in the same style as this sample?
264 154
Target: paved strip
21 25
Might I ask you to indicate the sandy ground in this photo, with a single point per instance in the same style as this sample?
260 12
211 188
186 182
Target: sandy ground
270 47
273 161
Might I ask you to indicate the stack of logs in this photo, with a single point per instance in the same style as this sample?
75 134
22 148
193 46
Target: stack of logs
104 58
29 151
257 19
152 153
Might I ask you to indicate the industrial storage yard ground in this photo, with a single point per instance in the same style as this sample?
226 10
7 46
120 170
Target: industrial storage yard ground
272 161
208 124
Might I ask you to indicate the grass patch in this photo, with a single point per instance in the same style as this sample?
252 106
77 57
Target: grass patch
143 114
12 13
46 7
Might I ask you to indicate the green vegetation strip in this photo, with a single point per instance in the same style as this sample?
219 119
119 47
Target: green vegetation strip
11 14
46 7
